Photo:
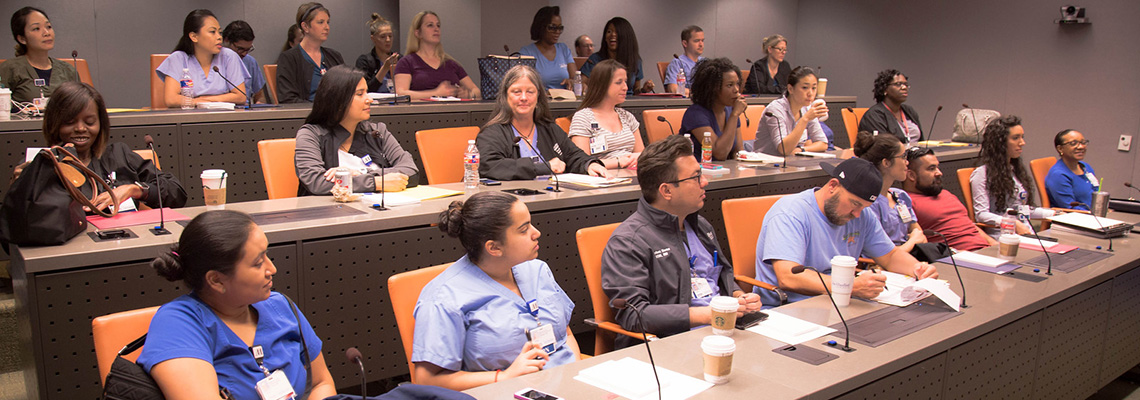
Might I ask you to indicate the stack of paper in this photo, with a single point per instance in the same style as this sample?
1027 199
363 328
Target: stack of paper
975 258
216 105
634 379
748 156
1089 225
815 154
388 199
903 291
790 330
591 181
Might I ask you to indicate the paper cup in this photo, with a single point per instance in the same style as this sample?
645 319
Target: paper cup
214 186
842 279
5 104
718 351
724 314
821 87
1008 246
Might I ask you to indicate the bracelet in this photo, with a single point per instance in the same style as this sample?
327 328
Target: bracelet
497 371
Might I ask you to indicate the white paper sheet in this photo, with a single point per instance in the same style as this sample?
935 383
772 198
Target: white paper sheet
633 379
975 258
788 329
390 199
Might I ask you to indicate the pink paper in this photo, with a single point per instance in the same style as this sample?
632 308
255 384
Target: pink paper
1056 249
144 217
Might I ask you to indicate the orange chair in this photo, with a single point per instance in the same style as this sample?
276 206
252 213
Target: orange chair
441 151
270 71
564 123
146 154
743 219
81 68
967 192
748 127
658 130
661 68
278 167
1040 168
744 74
591 243
114 331
851 118
157 99
404 290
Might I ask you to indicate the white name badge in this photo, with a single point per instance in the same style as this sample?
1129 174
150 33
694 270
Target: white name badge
904 213
1092 178
701 287
275 387
128 205
598 144
543 335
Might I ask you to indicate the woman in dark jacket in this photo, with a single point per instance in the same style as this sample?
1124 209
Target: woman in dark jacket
889 114
300 69
521 134
769 75
338 134
76 117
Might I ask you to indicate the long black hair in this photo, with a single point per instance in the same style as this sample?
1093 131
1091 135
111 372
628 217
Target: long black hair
708 80
334 95
1000 169
19 23
628 53
484 216
798 74
193 23
212 241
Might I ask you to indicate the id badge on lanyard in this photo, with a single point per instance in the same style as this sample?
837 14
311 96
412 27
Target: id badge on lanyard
543 334
700 286
275 386
904 214
597 141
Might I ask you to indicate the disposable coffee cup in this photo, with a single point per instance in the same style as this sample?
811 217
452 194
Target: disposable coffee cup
214 186
842 279
724 314
1100 204
718 351
5 104
1008 246
821 87
823 117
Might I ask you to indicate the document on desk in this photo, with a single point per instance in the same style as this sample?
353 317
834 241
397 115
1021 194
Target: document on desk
424 192
903 291
591 181
788 329
388 199
633 379
1053 247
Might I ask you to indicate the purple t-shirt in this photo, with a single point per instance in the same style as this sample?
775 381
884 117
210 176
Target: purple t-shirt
424 77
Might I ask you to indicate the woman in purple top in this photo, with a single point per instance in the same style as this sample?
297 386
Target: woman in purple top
198 52
427 71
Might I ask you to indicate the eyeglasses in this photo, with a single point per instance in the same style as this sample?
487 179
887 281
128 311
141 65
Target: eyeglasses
555 28
697 177
779 49
1075 143
242 50
916 152
900 84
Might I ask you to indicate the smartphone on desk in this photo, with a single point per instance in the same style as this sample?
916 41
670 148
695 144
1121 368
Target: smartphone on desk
523 192
531 394
750 319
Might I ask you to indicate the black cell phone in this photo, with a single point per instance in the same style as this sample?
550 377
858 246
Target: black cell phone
113 234
1045 238
750 319
523 192
488 182
531 394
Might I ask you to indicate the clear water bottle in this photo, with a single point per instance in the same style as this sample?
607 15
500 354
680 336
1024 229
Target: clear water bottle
577 83
681 88
706 148
187 92
471 166
1009 222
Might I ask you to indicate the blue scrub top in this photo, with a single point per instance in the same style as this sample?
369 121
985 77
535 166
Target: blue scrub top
227 61
187 328
796 230
317 74
702 265
553 72
682 63
256 80
465 321
889 217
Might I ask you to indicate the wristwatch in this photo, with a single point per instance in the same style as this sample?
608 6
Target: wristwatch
145 189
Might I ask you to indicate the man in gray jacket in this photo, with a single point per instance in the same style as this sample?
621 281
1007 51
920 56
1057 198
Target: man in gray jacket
664 259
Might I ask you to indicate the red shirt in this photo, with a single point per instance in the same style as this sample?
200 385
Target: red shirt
946 214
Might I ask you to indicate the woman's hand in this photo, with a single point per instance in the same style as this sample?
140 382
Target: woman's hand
738 107
103 200
530 360
598 170
647 87
330 175
445 89
1023 229
567 84
816 111
17 171
627 160
393 182
557 166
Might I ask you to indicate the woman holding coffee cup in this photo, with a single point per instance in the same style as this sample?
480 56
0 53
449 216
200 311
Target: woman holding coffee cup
1071 179
76 118
997 184
794 122
497 312
894 209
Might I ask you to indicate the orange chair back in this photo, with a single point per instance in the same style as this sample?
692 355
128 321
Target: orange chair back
851 118
749 126
441 151
967 193
157 99
82 69
591 242
744 74
661 68
278 167
1040 168
743 219
579 62
112 332
564 123
658 130
146 154
404 290
270 71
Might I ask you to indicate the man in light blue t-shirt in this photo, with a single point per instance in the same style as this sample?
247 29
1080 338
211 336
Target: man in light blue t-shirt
811 227
693 43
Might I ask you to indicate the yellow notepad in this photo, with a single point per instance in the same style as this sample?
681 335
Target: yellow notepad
424 192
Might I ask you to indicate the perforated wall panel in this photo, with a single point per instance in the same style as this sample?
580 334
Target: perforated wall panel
1072 344
950 175
65 328
997 365
1121 352
404 128
12 147
231 146
919 381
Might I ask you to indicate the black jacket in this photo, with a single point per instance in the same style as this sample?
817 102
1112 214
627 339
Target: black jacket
370 64
317 152
500 160
295 75
129 167
879 118
759 77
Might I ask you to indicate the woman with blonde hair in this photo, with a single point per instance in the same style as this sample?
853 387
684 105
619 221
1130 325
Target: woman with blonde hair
769 75
377 64
427 71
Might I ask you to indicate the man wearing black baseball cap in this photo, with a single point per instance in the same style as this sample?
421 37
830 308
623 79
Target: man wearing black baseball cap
811 227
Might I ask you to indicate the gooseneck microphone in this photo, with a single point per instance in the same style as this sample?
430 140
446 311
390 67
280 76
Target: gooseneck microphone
1048 260
929 232
622 304
553 175
161 228
1129 185
662 119
752 77
248 101
975 116
75 61
1077 203
779 131
930 133
354 357
846 332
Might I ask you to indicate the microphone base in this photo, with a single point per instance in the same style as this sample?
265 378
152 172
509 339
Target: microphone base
159 231
379 208
838 346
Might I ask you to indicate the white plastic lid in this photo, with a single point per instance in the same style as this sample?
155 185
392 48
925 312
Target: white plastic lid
213 173
726 303
708 134
472 141
4 90
844 261
717 345
1009 239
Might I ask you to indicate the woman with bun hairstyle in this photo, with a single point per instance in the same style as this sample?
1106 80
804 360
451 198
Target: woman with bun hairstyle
893 208
299 69
198 52
473 321
201 341
378 63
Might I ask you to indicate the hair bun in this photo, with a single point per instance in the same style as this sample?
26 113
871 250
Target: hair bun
451 219
168 264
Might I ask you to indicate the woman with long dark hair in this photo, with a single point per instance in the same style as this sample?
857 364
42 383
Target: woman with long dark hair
34 37
794 125
894 209
619 43
600 127
301 68
521 140
337 134
552 59
1071 179
199 50
717 106
999 183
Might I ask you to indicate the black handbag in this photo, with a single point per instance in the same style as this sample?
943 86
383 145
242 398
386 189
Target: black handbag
493 69
128 380
930 252
44 206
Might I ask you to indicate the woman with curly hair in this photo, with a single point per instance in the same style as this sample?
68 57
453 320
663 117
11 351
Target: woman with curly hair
889 114
997 183
717 106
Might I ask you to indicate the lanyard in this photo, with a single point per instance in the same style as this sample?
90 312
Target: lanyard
259 356
906 129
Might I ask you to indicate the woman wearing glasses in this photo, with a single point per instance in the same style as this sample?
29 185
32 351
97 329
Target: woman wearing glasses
1071 179
769 75
889 114
554 62
893 208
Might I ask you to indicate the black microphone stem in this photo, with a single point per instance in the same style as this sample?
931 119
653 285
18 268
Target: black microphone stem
975 116
1049 260
248 101
955 263
931 131
846 331
161 228
1106 236
553 175
645 338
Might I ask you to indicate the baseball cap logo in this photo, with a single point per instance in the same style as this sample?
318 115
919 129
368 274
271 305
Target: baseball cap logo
842 176
873 197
